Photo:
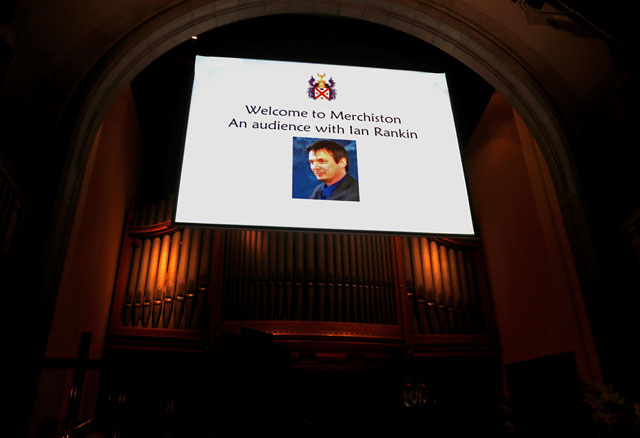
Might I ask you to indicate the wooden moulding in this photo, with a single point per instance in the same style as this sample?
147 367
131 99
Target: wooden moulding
361 271
154 230
349 356
453 345
319 330
157 339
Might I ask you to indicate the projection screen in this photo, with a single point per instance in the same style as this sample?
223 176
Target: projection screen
246 163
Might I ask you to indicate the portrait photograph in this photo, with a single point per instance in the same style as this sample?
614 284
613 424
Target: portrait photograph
325 169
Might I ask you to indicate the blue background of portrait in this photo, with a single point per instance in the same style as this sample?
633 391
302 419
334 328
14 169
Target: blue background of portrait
304 181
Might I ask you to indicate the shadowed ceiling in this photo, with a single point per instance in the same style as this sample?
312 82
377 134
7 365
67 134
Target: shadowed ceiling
162 90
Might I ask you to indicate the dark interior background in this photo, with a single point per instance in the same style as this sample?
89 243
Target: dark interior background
162 90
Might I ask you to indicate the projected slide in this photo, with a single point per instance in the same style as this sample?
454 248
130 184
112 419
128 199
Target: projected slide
326 147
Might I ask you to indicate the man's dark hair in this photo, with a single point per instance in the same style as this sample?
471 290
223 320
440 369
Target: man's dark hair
336 150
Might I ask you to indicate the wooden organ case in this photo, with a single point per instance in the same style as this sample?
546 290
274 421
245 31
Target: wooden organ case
331 297
358 326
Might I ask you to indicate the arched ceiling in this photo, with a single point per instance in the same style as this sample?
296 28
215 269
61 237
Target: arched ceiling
491 40
162 89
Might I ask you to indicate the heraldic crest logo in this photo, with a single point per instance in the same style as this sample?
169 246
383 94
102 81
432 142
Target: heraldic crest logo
321 89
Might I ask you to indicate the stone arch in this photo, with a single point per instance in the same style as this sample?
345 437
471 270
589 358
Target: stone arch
444 28
434 24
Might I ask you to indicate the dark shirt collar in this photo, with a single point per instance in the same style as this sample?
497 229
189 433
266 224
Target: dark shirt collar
327 191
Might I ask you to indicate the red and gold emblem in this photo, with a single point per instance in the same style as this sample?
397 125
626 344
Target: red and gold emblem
321 89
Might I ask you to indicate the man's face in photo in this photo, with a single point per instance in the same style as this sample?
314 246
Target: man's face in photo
325 168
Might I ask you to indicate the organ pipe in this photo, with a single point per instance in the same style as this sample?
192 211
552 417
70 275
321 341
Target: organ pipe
253 279
289 274
455 288
418 280
430 298
359 283
376 268
346 279
230 290
379 281
276 272
161 215
339 278
172 275
160 288
331 278
272 268
181 281
171 202
408 272
438 287
192 278
353 279
146 215
367 276
142 279
276 275
149 290
476 319
388 280
299 275
446 284
203 278
464 291
131 288
152 214
264 277
136 219
309 274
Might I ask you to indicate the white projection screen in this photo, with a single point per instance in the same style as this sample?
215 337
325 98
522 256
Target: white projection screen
245 162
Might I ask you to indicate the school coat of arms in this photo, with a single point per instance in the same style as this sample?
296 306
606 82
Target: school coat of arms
321 89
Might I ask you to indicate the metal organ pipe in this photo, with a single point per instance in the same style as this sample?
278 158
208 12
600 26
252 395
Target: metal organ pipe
296 276
160 286
203 279
181 281
127 314
172 275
